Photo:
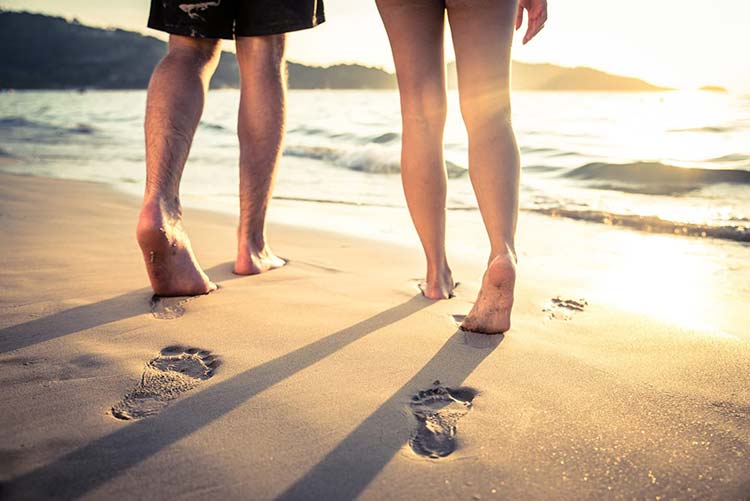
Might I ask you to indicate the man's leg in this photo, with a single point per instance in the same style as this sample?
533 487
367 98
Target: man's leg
482 35
176 95
260 130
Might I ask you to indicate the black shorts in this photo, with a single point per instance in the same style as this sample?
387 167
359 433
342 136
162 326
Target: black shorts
234 18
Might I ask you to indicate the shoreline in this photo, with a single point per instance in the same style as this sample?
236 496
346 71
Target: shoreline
640 223
348 158
322 362
602 247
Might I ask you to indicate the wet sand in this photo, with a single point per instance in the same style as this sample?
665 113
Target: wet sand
332 378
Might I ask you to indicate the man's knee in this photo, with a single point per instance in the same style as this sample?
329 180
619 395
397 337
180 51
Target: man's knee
265 50
199 51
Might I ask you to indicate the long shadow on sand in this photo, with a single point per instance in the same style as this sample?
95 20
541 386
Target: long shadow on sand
80 318
82 470
347 470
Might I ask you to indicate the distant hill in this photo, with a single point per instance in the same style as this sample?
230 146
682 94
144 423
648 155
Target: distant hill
551 77
43 52
528 76
340 76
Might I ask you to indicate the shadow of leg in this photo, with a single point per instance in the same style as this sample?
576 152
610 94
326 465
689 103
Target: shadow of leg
80 318
82 470
347 470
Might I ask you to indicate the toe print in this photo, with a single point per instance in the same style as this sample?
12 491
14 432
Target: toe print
559 308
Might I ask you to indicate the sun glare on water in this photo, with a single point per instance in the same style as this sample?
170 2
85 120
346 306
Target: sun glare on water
680 128
665 278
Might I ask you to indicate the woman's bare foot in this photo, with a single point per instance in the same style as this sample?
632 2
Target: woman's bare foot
439 284
252 262
491 311
170 262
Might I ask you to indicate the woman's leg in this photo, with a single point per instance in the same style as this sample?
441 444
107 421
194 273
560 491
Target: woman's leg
415 29
482 33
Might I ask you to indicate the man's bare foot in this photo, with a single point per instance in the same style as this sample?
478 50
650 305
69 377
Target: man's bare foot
253 262
170 262
439 285
491 311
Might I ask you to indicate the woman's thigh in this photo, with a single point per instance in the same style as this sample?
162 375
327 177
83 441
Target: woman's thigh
482 32
415 29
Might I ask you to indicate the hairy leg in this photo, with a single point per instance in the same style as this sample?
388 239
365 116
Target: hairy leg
176 96
482 33
415 30
260 129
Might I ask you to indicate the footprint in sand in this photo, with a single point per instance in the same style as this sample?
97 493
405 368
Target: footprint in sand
168 308
563 309
175 371
437 411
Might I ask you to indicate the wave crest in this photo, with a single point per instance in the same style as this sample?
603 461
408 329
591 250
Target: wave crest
22 123
652 224
371 159
652 173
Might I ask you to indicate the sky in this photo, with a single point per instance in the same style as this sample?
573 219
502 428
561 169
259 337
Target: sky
675 43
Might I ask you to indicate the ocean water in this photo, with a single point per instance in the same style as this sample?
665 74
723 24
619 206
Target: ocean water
675 162
671 169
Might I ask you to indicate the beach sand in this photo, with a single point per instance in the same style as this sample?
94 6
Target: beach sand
311 387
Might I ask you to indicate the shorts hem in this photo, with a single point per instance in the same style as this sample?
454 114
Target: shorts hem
277 30
189 31
192 32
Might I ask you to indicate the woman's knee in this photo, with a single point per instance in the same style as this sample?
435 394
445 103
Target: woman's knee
485 106
424 106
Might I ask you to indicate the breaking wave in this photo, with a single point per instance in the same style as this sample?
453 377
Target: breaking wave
655 173
715 129
22 123
371 159
652 224
384 138
732 157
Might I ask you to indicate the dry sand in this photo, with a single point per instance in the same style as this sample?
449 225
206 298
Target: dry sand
304 382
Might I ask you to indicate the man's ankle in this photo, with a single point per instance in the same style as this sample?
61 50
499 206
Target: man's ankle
252 242
168 204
